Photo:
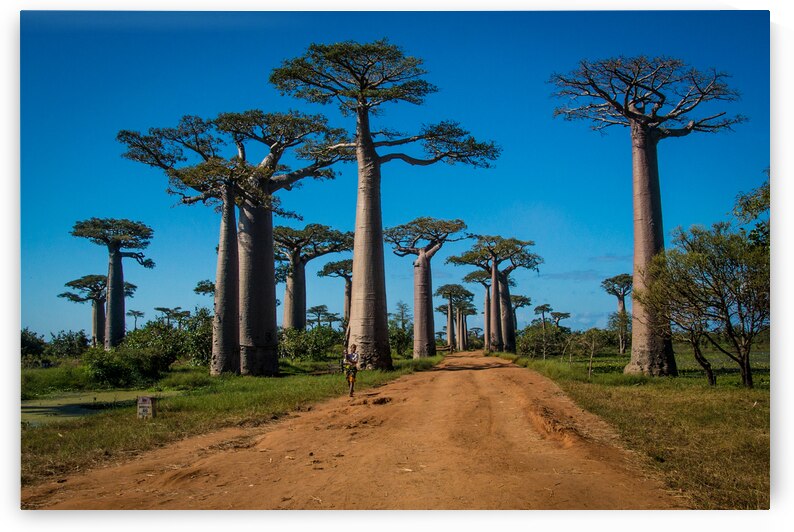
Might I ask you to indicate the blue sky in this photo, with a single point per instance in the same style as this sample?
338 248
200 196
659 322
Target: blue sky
85 76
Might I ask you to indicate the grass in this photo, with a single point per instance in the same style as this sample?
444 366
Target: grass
205 404
710 444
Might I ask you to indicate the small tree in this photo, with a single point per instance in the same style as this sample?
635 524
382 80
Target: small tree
542 310
591 341
135 314
715 282
117 236
400 336
559 316
319 312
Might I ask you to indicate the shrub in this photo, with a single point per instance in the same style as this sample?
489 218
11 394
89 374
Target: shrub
313 344
125 366
67 344
32 349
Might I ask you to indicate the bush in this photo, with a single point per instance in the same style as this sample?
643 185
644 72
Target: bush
157 337
67 344
32 349
191 342
313 344
125 366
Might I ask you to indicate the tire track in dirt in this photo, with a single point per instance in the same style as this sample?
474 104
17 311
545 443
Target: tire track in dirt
473 433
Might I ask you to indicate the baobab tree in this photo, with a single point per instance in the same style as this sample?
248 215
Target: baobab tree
455 294
244 326
483 278
205 287
117 235
203 175
618 286
361 78
488 253
168 314
344 270
307 137
135 314
319 312
656 98
423 237
93 288
557 317
463 307
297 247
518 302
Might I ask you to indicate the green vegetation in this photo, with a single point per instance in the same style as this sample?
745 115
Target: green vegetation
710 443
206 404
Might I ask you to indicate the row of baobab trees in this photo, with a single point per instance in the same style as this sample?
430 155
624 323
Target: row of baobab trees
655 98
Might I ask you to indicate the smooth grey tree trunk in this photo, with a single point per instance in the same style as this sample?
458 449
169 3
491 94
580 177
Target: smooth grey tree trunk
258 329
458 339
369 328
114 323
295 295
621 304
496 311
506 308
651 354
348 290
226 321
450 326
424 324
486 325
97 322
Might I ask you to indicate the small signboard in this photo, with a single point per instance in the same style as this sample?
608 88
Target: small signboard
145 407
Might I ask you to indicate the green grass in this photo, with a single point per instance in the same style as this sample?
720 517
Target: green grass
205 404
68 377
710 444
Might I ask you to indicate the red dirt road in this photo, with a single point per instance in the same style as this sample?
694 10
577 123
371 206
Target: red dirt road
473 433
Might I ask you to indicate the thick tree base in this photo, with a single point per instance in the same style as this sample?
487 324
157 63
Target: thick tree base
652 363
259 361
372 358
425 351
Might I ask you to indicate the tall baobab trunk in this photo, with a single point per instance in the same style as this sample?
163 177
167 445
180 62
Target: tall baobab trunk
97 322
651 354
621 304
369 328
424 325
114 323
258 333
464 330
226 321
450 326
506 307
295 296
496 311
486 322
348 290
458 339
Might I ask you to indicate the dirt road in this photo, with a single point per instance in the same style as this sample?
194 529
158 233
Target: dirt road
474 433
